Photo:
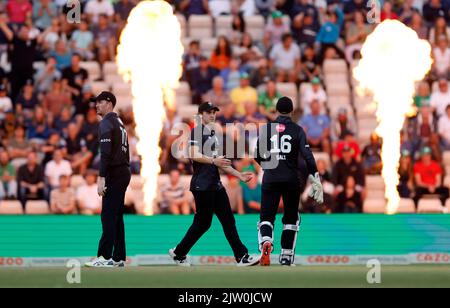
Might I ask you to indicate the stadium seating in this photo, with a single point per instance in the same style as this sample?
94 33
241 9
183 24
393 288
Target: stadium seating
426 205
223 25
447 206
406 206
37 207
110 68
255 26
183 25
93 69
375 182
200 26
76 181
374 206
288 89
11 207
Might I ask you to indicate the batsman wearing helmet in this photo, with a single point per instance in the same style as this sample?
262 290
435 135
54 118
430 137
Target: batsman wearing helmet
279 146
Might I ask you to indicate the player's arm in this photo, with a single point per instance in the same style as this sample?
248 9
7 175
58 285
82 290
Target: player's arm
106 135
305 150
197 156
243 176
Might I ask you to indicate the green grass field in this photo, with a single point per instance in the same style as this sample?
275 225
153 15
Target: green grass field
230 277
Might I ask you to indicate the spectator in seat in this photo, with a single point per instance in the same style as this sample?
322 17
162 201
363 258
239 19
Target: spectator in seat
260 75
348 141
231 75
62 199
252 195
56 99
5 102
416 23
356 35
350 199
43 13
217 94
77 149
8 187
243 94
315 93
219 7
317 128
45 77
444 129
268 99
54 142
62 122
74 78
191 59
252 115
94 9
439 29
428 177
39 130
200 80
387 12
328 35
89 131
441 57
310 66
285 59
440 99
62 54
305 30
24 46
174 196
89 202
348 166
30 178
83 41
105 39
275 29
18 11
422 98
248 52
432 10
27 99
221 56
193 7
406 176
122 9
264 7
55 168
371 156
342 124
234 191
238 27
18 146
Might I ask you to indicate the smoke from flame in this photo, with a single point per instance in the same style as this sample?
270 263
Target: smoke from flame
149 55
393 59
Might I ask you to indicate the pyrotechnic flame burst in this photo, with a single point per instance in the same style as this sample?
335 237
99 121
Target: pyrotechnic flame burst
393 59
149 55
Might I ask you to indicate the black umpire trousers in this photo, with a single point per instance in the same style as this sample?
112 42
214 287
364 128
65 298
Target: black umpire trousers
112 242
207 203
271 196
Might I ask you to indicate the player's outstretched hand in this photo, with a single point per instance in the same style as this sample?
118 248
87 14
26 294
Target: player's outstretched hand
222 162
316 191
101 188
246 176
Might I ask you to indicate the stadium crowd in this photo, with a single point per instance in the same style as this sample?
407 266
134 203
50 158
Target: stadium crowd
48 126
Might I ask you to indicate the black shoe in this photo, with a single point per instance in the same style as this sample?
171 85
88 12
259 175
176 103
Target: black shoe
286 261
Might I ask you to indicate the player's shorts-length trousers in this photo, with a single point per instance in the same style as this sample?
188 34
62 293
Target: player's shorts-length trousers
112 242
207 203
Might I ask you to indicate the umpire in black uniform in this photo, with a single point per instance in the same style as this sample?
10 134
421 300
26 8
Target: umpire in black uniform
279 147
113 181
209 193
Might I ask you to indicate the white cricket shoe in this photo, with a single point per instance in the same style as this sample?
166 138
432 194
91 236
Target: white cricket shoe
248 260
119 264
180 261
100 262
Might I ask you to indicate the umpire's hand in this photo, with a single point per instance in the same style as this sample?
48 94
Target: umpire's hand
101 188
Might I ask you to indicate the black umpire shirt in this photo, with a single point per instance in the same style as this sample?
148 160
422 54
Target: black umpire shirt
284 143
114 150
206 176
